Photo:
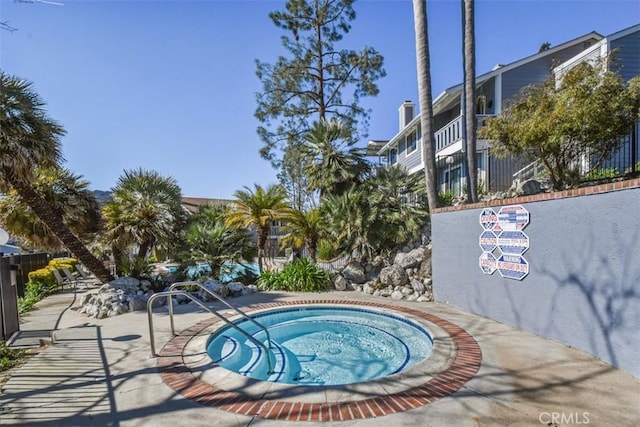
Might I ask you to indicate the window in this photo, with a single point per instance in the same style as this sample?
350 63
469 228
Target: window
393 156
411 142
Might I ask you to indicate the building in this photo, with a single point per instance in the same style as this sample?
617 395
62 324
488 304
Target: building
493 92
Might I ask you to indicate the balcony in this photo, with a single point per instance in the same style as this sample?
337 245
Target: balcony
451 133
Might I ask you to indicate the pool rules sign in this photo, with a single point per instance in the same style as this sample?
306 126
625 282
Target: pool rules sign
503 242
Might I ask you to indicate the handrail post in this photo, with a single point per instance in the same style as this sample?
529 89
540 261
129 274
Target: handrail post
152 340
171 292
170 303
216 297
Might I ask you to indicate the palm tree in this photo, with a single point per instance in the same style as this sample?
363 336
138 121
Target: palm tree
349 221
258 208
209 238
334 164
146 210
397 204
30 139
469 61
426 107
304 228
67 194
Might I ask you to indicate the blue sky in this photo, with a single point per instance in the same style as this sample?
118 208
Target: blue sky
170 85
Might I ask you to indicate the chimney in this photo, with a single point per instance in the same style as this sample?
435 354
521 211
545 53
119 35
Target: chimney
406 111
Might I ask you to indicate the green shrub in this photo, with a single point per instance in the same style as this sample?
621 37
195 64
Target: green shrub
9 357
34 292
326 250
300 276
601 174
43 276
445 198
58 263
629 169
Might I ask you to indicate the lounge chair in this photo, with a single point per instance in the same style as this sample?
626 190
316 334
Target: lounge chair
88 277
62 280
78 280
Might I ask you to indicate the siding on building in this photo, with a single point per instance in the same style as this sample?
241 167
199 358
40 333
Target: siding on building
536 72
627 55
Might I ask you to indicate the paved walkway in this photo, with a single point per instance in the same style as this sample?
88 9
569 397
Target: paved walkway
100 372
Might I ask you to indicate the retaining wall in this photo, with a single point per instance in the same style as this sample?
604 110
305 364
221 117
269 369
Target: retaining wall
583 285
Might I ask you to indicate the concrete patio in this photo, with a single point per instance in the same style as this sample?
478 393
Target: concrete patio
100 372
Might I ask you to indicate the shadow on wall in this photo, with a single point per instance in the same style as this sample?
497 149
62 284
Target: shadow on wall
587 297
608 286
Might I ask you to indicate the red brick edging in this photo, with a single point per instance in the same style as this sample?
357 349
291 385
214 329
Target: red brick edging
465 365
554 195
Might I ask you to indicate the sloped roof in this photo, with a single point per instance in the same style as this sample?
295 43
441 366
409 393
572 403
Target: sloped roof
453 93
191 204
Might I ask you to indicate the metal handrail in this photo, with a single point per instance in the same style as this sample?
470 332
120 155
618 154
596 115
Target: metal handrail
237 310
169 294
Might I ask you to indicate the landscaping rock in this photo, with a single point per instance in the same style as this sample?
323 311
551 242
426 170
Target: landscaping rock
354 273
410 259
397 295
417 286
340 283
367 289
394 276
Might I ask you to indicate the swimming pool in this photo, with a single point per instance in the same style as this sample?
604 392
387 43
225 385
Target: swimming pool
321 346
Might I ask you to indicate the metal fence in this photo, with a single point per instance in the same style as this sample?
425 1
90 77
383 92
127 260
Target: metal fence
497 174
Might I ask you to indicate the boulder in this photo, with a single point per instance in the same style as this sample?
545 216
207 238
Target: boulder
340 283
137 303
367 288
414 296
397 295
235 289
127 284
386 291
354 273
531 187
410 259
417 286
394 276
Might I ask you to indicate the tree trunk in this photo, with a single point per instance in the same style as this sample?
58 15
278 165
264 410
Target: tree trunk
59 228
425 101
312 246
143 249
263 233
469 65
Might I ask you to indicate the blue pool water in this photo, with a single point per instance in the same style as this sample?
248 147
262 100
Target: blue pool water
322 346
229 271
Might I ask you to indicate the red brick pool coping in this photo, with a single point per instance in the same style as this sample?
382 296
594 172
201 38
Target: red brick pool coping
464 366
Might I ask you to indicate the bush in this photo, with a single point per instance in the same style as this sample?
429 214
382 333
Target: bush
9 357
43 276
326 250
445 198
58 263
300 276
601 174
34 292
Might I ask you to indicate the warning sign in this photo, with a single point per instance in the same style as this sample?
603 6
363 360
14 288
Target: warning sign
513 242
512 266
488 263
514 217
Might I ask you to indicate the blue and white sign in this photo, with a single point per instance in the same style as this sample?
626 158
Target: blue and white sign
514 217
512 266
488 218
488 263
488 241
513 242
